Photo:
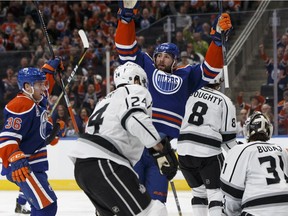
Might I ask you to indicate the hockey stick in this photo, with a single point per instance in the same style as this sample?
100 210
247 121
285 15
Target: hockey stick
176 197
86 46
224 52
53 56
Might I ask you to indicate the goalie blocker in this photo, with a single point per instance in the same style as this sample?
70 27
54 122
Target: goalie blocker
166 159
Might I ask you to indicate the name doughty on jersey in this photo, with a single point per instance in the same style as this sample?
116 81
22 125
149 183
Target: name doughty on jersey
208 96
166 83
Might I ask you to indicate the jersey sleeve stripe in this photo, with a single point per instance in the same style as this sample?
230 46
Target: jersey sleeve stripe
210 72
8 142
167 118
232 191
10 135
127 58
128 114
126 47
267 200
175 115
143 126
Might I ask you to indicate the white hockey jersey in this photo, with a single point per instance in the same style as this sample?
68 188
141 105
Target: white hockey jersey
254 180
119 127
209 122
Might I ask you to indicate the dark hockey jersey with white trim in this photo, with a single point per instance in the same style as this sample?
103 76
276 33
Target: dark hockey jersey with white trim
254 180
119 127
209 122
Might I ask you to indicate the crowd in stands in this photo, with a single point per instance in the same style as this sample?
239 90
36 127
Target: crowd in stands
265 101
23 44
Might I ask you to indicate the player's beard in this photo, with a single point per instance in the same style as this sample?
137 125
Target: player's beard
164 68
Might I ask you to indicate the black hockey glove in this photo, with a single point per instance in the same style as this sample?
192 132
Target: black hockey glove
166 160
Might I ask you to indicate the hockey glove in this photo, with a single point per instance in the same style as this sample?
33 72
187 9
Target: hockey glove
20 166
127 10
221 23
53 65
166 160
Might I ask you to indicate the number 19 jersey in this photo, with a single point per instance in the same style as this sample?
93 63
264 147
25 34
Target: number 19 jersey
209 121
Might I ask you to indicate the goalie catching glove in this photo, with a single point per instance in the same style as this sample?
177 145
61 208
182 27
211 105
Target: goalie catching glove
166 159
127 10
221 23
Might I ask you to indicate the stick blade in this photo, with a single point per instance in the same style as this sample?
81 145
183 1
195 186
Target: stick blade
83 38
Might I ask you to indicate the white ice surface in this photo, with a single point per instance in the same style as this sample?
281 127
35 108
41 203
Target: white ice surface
75 203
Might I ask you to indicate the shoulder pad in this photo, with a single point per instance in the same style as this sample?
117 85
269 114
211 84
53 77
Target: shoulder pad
20 104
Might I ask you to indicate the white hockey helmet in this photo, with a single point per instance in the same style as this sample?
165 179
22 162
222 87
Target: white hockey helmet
258 123
128 73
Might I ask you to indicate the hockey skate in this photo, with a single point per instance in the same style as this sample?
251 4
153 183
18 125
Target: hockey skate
21 209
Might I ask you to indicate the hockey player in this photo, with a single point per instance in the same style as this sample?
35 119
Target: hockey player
209 122
24 135
254 175
117 131
170 86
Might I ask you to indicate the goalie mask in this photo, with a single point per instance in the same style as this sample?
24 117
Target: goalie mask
130 73
258 124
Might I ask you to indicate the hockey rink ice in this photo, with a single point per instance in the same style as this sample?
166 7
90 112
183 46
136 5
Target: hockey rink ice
75 203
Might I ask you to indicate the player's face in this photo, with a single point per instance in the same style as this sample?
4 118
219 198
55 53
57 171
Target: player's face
164 61
40 87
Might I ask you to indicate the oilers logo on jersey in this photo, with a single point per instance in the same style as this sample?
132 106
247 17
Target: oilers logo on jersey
43 121
166 83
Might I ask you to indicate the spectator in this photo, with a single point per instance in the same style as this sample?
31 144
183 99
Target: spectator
9 26
145 20
180 41
282 78
240 123
200 45
90 98
256 102
196 24
196 57
205 32
283 120
83 119
9 74
69 130
61 114
182 19
185 60
11 89
267 111
285 100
